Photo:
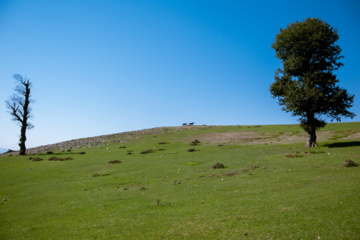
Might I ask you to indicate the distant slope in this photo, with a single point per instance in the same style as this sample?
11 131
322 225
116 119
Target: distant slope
228 135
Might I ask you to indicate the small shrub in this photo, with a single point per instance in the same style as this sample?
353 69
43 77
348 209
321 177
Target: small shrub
55 159
231 173
37 159
147 151
143 188
122 147
349 163
191 150
195 142
50 152
100 175
162 143
82 152
114 161
254 166
162 204
69 158
218 165
296 155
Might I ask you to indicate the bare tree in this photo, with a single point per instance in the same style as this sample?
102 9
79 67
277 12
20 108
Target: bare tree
19 106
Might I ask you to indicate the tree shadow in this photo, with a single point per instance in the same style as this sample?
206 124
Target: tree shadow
343 144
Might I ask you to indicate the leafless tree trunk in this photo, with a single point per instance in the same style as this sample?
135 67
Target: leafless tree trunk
19 106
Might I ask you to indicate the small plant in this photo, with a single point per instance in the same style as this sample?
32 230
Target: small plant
82 152
218 166
191 150
195 142
114 161
100 175
143 188
162 143
295 155
162 204
147 151
37 159
349 163
254 166
122 147
231 173
50 152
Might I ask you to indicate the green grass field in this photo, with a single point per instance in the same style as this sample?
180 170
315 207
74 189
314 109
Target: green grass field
270 188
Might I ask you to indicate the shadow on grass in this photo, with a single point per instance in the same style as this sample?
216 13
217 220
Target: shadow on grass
343 144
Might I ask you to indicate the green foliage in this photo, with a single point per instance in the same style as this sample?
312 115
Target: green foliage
306 85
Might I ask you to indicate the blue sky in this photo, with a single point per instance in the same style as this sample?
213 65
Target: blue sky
101 67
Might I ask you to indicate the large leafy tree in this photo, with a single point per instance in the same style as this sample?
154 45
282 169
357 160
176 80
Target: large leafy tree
19 106
306 85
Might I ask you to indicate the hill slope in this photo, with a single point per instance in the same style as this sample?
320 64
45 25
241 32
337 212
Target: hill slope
238 135
156 184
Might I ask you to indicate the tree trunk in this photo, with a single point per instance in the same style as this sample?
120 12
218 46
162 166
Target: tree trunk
311 137
24 121
22 141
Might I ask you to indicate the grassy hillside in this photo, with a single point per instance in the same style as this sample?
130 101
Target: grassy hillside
157 186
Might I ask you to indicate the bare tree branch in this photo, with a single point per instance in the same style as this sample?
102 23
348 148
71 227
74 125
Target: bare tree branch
18 104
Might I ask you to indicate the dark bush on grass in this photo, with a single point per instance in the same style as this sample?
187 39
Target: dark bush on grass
122 147
147 151
218 166
50 152
55 159
162 143
82 152
231 173
37 159
195 142
191 150
349 163
114 161
69 158
100 175
296 155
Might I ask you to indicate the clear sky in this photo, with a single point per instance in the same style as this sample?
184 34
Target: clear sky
101 67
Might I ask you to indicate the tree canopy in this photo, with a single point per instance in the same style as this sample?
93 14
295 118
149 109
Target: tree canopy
306 85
